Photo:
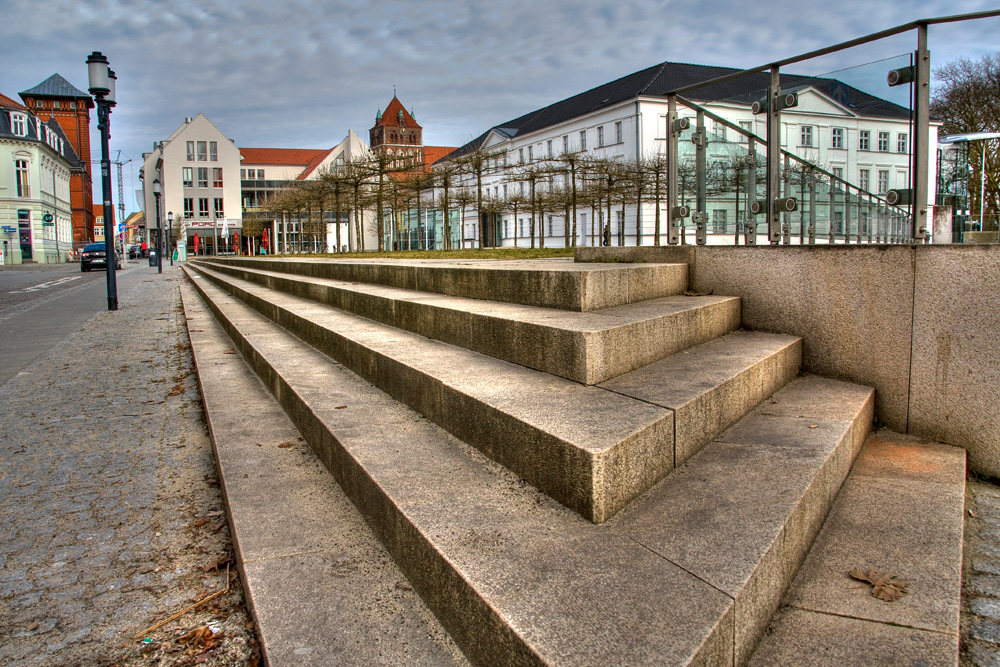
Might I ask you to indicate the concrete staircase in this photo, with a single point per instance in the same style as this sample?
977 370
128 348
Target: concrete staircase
569 463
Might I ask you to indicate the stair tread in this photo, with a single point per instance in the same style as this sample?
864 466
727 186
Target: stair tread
901 510
293 526
557 283
535 576
588 347
590 448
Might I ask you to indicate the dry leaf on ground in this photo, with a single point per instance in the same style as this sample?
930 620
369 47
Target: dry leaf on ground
885 585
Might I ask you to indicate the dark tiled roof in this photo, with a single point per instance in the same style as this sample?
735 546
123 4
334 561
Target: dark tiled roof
665 77
55 86
33 134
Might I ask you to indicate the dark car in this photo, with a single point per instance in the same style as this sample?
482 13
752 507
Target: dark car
93 256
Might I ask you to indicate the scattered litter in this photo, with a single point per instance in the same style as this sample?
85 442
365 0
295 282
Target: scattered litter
885 585
147 640
813 425
230 351
186 609
340 407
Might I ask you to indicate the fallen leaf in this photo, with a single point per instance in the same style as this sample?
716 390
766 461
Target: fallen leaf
885 585
813 425
286 445
340 407
230 351
199 523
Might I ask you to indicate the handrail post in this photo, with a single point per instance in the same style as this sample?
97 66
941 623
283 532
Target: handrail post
673 235
773 158
701 178
921 147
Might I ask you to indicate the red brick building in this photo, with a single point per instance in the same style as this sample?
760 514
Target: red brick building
57 98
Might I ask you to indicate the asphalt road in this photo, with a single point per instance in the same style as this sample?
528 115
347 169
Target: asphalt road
41 304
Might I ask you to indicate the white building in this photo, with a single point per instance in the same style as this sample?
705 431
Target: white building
36 158
198 168
851 138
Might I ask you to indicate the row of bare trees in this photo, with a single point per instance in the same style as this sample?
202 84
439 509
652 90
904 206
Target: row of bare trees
482 186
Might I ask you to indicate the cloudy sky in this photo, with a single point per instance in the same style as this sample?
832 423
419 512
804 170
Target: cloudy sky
300 73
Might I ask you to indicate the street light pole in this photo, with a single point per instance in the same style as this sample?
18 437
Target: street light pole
102 87
157 191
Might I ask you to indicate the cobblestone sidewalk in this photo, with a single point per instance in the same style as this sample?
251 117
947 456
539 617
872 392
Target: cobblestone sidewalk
981 581
111 517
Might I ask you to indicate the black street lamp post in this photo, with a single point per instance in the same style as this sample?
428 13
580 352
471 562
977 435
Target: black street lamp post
157 191
102 87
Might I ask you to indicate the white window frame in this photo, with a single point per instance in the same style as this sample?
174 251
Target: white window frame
806 136
865 140
583 140
883 181
618 133
883 142
22 178
600 136
190 151
837 136
202 177
19 124
865 179
202 151
902 142
213 151
187 177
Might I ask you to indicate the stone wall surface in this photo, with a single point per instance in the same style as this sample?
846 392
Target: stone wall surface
862 312
955 384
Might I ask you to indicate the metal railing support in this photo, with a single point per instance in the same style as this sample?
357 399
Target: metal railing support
921 140
700 217
673 233
773 158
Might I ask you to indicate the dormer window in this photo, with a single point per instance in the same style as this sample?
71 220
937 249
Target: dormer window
19 124
400 116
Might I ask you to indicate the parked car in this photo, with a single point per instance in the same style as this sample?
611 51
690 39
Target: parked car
134 251
93 256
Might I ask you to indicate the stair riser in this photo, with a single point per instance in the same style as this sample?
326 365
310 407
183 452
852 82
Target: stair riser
596 487
586 357
564 289
761 597
700 421
470 620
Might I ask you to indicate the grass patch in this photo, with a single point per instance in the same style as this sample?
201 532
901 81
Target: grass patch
471 253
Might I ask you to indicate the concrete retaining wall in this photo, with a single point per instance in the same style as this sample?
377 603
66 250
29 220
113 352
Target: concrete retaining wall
920 324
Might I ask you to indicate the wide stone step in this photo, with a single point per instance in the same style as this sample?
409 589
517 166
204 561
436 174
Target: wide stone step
555 283
689 574
712 386
899 512
322 589
586 347
591 449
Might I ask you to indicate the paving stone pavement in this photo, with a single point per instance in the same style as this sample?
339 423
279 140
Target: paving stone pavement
111 516
981 580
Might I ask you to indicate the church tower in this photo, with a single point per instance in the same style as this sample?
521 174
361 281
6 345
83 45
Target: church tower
396 132
57 98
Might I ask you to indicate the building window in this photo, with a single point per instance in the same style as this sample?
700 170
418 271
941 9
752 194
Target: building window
864 180
883 142
531 153
520 155
600 136
213 151
190 151
719 220
187 176
243 174
218 208
883 181
865 140
202 151
719 130
203 207
19 124
550 226
188 208
838 175
901 142
747 126
837 138
565 144
583 140
21 176
260 174
618 132
838 222
548 148
806 136
217 177
202 177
